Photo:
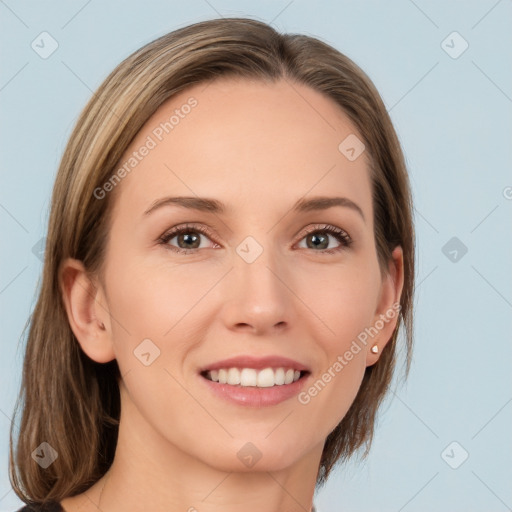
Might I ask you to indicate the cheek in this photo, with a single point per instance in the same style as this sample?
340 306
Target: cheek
345 300
168 305
150 306
151 300
346 307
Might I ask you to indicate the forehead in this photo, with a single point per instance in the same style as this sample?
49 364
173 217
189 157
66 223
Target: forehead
243 142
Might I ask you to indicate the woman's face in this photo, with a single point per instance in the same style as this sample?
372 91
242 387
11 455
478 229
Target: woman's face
257 277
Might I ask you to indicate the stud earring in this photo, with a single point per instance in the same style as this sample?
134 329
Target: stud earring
375 349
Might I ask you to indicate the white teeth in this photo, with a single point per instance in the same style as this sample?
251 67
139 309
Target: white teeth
250 377
233 376
266 378
279 376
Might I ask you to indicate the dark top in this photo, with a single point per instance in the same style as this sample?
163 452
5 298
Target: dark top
52 506
55 507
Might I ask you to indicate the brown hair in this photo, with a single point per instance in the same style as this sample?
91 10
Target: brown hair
72 402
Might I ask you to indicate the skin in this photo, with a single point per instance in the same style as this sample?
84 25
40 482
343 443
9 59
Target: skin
258 148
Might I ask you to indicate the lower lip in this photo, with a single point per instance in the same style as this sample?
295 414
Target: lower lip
251 396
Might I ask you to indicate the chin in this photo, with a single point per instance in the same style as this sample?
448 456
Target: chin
257 454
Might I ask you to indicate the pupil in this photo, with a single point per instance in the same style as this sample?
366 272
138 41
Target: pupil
187 236
317 237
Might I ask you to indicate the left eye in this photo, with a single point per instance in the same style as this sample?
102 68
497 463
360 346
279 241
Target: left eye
318 239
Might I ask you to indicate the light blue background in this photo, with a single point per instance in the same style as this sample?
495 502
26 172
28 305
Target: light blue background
453 117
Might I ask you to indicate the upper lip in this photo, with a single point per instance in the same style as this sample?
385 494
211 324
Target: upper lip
258 363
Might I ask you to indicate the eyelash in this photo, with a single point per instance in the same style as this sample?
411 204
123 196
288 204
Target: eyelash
340 235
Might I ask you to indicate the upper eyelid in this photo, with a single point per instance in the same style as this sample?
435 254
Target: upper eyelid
321 227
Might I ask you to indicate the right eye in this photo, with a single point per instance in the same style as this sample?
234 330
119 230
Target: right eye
188 238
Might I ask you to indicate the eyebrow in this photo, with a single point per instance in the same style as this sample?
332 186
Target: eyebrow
323 203
213 206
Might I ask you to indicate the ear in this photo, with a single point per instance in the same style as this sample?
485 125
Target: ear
388 307
86 309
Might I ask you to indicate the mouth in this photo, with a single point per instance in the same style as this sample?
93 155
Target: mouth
255 381
256 378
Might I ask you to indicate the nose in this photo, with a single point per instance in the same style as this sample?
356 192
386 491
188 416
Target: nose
258 297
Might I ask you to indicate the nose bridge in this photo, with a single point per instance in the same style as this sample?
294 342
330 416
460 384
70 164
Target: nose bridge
257 266
259 296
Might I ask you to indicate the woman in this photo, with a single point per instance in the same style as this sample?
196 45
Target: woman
229 258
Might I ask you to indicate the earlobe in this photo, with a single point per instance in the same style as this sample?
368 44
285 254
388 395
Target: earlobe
388 310
87 315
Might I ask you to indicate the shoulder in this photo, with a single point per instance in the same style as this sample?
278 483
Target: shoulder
52 506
